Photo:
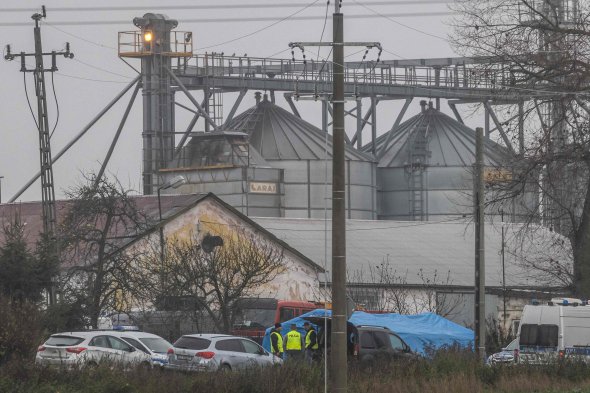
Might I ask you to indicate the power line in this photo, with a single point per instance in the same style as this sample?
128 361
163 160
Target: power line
404 224
89 79
261 29
252 19
29 101
212 6
56 106
389 17
102 69
78 37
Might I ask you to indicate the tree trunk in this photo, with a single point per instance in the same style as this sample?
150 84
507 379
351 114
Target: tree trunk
581 251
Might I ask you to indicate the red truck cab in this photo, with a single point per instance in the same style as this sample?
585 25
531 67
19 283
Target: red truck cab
255 315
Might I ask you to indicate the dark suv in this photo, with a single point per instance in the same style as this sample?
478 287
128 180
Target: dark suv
376 342
366 343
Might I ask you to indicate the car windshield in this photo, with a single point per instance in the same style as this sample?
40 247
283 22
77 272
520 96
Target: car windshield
512 346
256 317
538 335
192 343
64 341
156 344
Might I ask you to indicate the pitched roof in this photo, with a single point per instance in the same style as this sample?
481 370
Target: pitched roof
427 246
172 207
280 135
449 142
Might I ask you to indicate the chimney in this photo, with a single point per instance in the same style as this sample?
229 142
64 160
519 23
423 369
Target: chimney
423 105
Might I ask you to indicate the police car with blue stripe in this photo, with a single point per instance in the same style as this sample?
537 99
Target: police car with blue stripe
151 344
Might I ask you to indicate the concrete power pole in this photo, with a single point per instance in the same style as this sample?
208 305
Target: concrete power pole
339 367
480 293
42 122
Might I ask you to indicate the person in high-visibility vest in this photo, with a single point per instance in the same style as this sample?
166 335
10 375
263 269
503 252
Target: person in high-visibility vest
294 344
311 343
276 341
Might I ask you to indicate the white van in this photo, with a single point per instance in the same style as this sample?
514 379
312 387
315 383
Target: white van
556 330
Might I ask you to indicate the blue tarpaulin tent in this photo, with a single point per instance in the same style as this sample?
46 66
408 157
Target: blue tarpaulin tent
420 331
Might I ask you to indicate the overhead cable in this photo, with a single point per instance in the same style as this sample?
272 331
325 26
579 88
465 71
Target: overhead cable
252 19
290 16
211 6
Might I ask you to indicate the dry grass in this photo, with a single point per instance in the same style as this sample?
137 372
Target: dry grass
446 373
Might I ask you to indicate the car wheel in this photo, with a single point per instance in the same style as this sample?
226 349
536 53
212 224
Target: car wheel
91 365
225 368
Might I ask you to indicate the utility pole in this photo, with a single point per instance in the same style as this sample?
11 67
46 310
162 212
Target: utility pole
503 269
339 369
338 365
42 122
478 199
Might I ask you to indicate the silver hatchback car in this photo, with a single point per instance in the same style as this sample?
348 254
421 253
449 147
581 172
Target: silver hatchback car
212 352
74 349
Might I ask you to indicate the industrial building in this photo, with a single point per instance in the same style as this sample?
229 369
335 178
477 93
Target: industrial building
274 167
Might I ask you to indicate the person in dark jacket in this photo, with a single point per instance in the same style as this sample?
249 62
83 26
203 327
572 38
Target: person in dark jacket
276 341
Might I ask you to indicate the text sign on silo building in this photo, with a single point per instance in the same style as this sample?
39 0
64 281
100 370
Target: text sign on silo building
263 188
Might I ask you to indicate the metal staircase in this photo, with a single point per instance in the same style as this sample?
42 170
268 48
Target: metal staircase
418 157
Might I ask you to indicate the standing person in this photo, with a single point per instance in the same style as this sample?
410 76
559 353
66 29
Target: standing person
311 343
276 341
294 344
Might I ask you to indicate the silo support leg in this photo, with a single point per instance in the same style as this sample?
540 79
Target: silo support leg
235 107
289 99
116 137
398 120
189 129
80 135
499 127
365 121
192 99
456 112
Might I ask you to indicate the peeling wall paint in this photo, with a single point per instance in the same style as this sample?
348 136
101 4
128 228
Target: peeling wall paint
299 280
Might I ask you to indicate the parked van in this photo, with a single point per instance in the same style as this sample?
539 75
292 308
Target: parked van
557 330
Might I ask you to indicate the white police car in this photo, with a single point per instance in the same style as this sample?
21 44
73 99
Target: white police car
153 345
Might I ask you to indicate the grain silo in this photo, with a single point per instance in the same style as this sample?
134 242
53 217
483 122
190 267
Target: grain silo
425 170
304 152
223 163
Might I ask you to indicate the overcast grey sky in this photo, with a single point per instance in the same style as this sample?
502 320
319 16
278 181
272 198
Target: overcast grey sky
87 83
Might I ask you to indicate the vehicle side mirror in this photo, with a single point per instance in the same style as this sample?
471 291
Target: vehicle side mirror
131 349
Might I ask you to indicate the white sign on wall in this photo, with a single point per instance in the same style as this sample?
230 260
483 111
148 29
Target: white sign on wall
263 188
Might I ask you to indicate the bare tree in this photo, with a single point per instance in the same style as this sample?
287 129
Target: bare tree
97 223
215 277
538 63
383 288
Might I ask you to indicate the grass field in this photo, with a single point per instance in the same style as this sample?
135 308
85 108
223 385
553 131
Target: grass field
452 372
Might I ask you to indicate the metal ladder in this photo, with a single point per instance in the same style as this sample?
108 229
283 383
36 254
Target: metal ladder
418 156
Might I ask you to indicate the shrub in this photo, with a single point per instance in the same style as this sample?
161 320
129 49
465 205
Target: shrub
20 329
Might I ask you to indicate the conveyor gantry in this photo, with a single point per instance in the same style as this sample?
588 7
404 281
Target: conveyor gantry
447 78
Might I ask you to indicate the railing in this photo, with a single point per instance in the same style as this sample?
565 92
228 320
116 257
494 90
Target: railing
138 44
493 76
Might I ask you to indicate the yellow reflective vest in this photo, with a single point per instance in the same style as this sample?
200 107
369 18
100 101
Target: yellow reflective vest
293 341
308 340
279 347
